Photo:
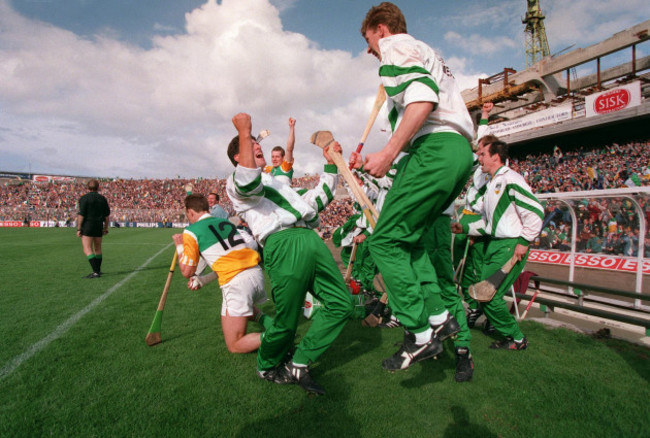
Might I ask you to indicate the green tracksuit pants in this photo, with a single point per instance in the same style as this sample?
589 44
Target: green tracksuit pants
365 268
346 252
298 261
427 180
496 253
473 259
437 241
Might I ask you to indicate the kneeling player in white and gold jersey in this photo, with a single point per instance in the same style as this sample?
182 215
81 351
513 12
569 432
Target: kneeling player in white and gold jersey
235 265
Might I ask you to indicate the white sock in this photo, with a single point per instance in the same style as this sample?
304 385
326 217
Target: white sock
438 319
519 341
423 337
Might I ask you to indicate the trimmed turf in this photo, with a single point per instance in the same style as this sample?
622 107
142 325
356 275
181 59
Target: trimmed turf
97 377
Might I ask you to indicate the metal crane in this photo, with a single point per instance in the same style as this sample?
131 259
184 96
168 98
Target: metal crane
535 34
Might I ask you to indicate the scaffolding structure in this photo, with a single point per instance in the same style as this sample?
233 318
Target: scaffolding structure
535 34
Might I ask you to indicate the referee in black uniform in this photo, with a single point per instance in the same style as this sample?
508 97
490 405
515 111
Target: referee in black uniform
92 225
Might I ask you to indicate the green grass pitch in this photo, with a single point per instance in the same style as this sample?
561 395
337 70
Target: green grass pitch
73 362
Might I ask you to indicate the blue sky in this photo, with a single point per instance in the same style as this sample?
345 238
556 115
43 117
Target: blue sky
148 87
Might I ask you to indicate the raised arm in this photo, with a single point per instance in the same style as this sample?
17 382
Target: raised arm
243 125
291 141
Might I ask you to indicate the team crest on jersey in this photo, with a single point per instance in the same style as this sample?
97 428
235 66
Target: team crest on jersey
497 189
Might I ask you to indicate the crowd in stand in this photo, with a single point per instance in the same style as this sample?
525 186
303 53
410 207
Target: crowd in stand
605 226
609 167
147 200
609 226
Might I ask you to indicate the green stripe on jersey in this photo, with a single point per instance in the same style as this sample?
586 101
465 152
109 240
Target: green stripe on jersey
530 208
393 71
328 193
502 206
393 91
505 200
274 196
247 189
523 204
392 118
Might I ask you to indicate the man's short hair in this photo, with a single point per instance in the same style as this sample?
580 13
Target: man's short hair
216 196
197 202
498 147
93 185
387 14
233 149
487 139
278 148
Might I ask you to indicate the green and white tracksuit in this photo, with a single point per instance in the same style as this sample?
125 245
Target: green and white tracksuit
474 257
471 213
511 215
428 179
296 260
365 266
343 235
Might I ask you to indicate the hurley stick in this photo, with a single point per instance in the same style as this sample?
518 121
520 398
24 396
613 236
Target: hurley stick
323 139
374 319
348 271
153 337
530 303
485 290
262 135
379 101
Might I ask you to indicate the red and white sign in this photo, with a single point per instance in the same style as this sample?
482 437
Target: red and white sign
18 224
594 261
48 178
617 99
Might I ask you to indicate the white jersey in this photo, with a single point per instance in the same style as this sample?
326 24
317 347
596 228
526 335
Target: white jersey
510 210
372 192
411 71
269 205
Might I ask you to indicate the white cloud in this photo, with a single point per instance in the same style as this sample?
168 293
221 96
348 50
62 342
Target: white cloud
167 111
585 22
481 44
164 28
463 76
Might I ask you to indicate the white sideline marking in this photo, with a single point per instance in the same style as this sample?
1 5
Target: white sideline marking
14 363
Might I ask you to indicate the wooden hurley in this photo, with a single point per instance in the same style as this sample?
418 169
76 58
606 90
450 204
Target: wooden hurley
484 291
323 139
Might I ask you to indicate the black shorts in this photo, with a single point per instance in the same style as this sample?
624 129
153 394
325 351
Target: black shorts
92 229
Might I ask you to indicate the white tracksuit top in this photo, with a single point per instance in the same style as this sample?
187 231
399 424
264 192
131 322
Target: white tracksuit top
269 204
510 210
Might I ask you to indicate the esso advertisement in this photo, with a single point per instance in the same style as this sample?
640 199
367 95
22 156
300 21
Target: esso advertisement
594 261
617 99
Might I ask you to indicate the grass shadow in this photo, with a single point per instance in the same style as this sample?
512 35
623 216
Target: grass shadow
636 356
327 415
462 427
